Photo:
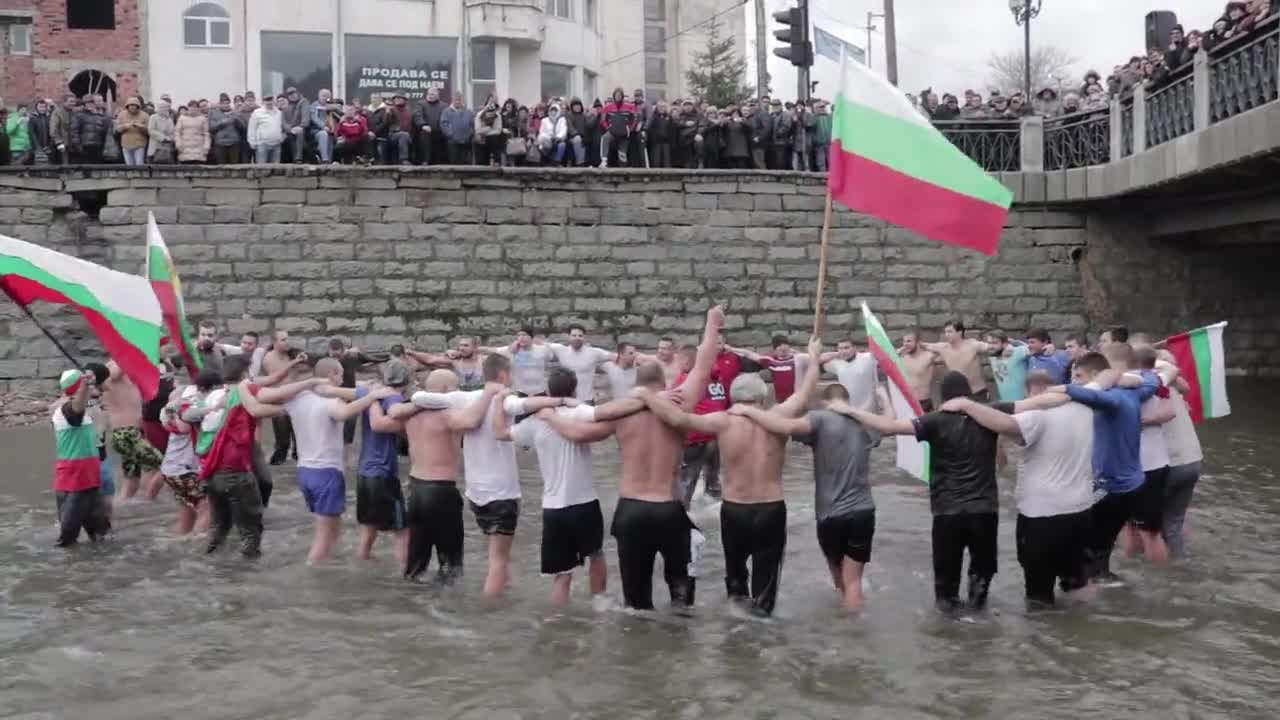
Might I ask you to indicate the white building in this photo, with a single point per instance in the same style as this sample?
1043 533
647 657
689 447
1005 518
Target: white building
527 49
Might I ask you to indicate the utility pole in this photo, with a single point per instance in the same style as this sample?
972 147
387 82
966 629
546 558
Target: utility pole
762 52
890 43
802 72
871 27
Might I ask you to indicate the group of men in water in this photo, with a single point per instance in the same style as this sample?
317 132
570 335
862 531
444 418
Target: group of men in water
1107 452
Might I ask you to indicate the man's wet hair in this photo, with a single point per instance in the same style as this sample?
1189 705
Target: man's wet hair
234 368
1077 339
250 333
624 346
579 328
779 340
493 366
562 382
1119 353
1119 333
1093 363
337 344
999 335
526 330
835 391
1145 358
954 324
1039 334
208 379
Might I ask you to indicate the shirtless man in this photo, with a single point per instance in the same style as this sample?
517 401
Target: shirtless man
434 509
753 517
123 403
666 358
919 364
649 518
963 356
319 410
277 365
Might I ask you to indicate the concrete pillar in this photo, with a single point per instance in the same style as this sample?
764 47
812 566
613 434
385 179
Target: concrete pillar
1140 118
502 69
1032 138
1200 86
1117 131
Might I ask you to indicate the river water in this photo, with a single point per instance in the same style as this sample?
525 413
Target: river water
147 626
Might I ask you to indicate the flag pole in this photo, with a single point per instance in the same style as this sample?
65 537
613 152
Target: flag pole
26 311
822 266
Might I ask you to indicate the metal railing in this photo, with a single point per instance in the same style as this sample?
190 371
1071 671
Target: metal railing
996 145
1077 140
1126 126
1171 109
1242 75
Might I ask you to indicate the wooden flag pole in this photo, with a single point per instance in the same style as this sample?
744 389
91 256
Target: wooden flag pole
822 267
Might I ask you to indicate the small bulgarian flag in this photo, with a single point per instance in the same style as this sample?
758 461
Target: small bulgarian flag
913 455
120 308
1202 363
888 161
168 290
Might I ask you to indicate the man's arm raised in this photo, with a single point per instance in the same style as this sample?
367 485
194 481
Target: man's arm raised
797 403
696 383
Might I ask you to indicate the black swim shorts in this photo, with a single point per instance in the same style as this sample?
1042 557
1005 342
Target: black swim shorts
498 517
570 535
847 536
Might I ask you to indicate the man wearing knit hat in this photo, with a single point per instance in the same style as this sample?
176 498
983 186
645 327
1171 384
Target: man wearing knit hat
226 125
77 482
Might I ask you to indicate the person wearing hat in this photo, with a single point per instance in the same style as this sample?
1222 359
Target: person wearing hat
400 124
379 498
131 124
225 125
77 469
1046 102
297 119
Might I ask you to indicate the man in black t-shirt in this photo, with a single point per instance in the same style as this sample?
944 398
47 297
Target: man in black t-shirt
963 494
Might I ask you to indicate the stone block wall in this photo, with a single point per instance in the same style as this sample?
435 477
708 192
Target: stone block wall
421 255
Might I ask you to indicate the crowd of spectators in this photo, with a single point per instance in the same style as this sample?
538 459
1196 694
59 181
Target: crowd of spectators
625 131
1158 66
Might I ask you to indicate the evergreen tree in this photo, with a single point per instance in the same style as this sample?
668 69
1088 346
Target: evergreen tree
718 74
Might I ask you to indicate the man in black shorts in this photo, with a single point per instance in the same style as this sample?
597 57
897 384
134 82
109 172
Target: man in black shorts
352 360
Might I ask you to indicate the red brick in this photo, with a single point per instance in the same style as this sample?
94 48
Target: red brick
118 52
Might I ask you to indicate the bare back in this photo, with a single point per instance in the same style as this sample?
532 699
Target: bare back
670 370
435 451
752 461
123 402
920 373
964 359
651 453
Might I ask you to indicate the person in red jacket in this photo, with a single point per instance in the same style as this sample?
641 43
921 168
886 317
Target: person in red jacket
620 121
353 137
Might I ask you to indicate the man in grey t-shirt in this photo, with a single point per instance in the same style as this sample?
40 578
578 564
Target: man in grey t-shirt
845 510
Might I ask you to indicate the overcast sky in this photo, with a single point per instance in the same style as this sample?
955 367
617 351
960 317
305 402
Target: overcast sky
945 43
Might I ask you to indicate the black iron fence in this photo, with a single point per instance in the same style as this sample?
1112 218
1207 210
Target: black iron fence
1126 127
1171 110
996 145
1077 140
1242 74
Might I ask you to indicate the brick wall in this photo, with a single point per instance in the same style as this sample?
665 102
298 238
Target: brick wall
420 255
59 53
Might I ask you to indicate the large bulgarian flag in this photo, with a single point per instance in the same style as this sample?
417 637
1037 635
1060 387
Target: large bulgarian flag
1202 363
888 161
168 291
119 308
913 455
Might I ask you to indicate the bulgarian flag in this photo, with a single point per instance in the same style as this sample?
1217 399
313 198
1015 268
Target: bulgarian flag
888 161
1202 363
168 291
120 309
913 455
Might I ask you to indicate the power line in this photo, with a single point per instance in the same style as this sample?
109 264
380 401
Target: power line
692 27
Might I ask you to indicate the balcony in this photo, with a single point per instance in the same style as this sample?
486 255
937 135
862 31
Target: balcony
519 22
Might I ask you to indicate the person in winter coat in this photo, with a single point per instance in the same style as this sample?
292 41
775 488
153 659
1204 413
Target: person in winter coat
39 128
490 140
225 125
60 130
553 137
266 130
737 139
518 130
689 138
352 144
783 135
761 124
297 122
426 121
821 136
458 124
131 126
88 133
326 113
244 111
620 120
802 139
191 136
160 135
400 125
18 130
715 126
1046 103
577 121
595 123
659 136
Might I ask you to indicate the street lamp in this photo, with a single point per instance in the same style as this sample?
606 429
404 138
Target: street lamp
1023 12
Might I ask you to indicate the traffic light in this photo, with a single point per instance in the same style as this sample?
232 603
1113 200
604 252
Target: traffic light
795 35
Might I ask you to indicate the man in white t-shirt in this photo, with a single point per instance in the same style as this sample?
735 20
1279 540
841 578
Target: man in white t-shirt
1157 410
528 363
318 414
622 371
1055 488
856 371
572 523
583 359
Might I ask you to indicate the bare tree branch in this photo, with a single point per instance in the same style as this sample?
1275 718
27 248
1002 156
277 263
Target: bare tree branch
1051 66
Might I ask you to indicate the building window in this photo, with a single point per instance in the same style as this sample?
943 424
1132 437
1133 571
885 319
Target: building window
653 94
484 72
294 59
206 25
655 70
91 15
385 65
655 39
589 13
20 39
655 10
555 80
560 8
591 89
